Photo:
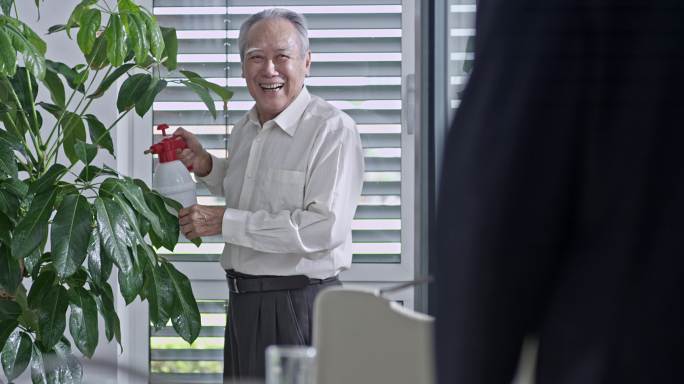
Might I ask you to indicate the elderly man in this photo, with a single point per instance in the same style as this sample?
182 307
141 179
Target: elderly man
291 181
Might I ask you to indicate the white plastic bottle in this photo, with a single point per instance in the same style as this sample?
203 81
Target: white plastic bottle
171 178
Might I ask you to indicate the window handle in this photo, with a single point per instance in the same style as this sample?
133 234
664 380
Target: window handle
409 102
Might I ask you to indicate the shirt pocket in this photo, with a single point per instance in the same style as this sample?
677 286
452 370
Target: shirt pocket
284 189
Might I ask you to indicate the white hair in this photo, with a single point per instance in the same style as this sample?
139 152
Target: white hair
297 20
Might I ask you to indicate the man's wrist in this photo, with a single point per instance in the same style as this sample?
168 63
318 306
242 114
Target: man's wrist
209 164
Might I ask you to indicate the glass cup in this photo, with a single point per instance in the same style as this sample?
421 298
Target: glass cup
293 364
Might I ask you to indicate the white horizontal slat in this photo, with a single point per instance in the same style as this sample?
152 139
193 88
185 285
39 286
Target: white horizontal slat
321 81
331 9
313 33
217 248
315 57
460 32
247 105
454 56
463 8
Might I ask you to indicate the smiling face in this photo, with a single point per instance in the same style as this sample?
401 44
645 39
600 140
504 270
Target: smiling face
274 66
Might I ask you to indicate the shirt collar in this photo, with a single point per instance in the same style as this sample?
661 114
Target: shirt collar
288 118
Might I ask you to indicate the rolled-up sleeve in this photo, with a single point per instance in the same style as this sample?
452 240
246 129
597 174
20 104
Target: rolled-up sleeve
331 192
214 179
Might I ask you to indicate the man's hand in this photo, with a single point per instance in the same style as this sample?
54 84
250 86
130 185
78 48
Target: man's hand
194 154
200 220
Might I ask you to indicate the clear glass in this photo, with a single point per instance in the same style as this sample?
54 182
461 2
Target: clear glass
290 365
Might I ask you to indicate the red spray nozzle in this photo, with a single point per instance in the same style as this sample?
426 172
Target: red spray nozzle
163 128
166 149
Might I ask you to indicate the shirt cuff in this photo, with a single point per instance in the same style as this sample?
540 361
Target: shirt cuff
215 176
234 228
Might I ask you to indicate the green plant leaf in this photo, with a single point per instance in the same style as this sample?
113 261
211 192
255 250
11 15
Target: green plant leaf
78 279
185 315
10 272
48 180
6 6
75 16
31 46
56 28
159 292
37 366
90 172
8 163
90 23
8 56
115 34
105 304
12 141
99 135
110 187
61 366
74 130
204 95
20 83
99 264
115 232
9 310
9 204
145 102
15 186
69 74
135 196
56 87
83 321
155 36
169 223
52 316
16 354
224 93
137 33
127 6
97 58
170 48
5 230
35 40
131 90
31 232
7 327
85 152
32 263
109 80
130 283
44 283
69 234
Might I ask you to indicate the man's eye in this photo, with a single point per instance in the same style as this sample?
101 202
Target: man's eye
282 58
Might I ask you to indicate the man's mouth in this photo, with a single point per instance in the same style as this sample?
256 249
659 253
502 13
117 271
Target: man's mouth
271 87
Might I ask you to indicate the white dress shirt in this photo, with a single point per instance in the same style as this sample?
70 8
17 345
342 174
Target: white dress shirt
291 190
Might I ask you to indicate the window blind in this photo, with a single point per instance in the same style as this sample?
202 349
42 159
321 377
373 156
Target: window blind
357 66
461 34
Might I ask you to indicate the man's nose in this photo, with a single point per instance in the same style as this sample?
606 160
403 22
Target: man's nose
270 68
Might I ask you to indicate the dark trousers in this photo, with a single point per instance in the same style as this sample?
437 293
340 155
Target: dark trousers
256 320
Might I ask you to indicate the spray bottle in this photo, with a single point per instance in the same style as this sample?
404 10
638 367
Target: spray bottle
171 178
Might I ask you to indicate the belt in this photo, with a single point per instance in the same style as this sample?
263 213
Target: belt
240 283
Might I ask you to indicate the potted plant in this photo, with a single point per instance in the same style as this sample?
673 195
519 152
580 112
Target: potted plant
93 217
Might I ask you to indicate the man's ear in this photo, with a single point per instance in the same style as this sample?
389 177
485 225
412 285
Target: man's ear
307 62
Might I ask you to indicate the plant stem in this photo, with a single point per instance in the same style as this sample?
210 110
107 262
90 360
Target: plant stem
36 164
108 130
39 148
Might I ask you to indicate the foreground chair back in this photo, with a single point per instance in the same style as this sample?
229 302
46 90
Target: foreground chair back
361 337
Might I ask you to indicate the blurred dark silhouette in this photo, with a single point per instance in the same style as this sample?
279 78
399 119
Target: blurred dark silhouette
561 209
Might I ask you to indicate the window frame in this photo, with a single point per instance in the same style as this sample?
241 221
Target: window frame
208 279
